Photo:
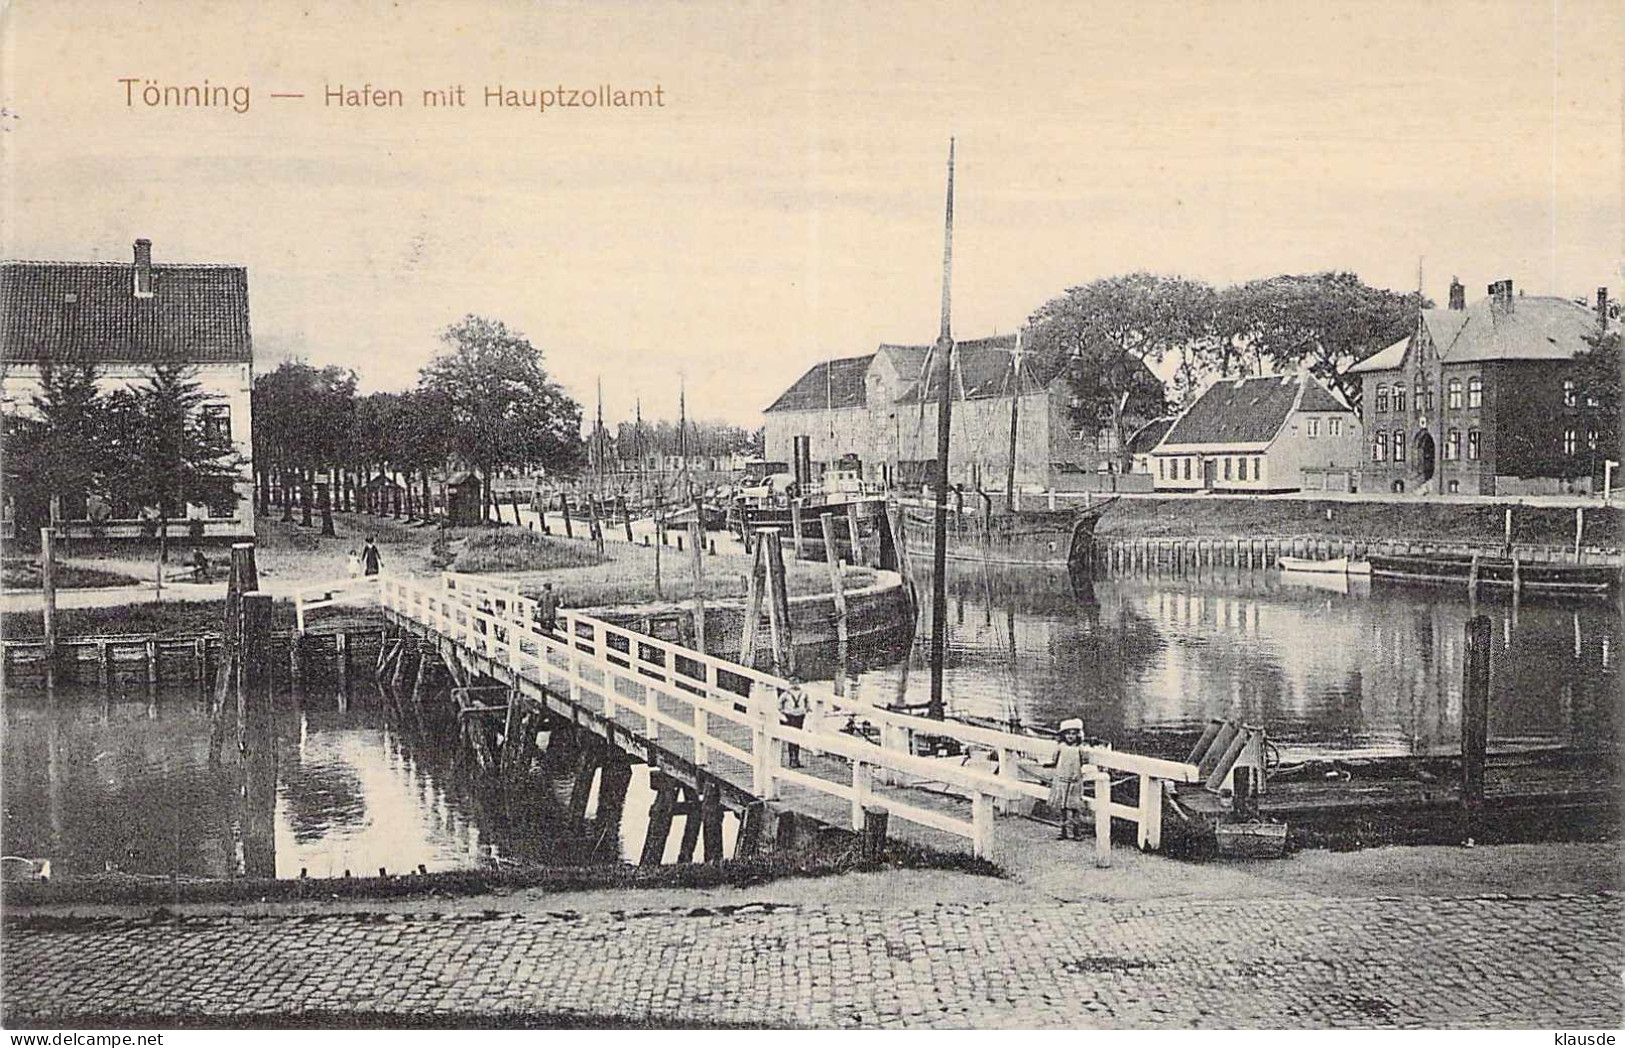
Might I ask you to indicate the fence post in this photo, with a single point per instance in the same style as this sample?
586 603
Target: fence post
702 719
1103 819
981 824
862 787
765 744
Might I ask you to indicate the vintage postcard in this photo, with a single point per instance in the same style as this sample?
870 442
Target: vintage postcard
811 515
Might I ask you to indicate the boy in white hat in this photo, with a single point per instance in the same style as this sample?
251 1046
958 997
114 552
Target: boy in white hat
1066 788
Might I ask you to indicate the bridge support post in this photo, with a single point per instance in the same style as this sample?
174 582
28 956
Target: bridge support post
660 816
689 809
613 780
1150 833
711 821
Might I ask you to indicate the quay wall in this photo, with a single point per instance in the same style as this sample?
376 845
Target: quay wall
876 614
1446 524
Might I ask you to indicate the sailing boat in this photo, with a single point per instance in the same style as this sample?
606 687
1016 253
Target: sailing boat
982 530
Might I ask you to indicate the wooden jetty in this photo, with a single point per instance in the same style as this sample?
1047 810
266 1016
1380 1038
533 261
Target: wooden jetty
712 727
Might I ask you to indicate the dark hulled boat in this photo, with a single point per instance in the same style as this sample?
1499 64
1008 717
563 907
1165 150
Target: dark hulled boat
1021 538
1455 569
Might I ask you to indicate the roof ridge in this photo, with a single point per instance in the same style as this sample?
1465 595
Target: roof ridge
109 263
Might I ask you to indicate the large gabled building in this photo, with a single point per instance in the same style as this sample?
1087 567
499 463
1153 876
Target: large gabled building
1485 400
878 414
125 318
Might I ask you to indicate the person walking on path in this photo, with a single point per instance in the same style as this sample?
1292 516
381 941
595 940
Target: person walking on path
547 609
353 565
793 709
371 559
1066 788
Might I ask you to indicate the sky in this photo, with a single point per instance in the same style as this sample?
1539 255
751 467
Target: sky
785 204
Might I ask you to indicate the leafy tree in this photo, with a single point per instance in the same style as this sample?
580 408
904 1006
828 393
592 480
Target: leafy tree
1598 374
1107 333
302 420
1324 322
170 456
505 410
58 451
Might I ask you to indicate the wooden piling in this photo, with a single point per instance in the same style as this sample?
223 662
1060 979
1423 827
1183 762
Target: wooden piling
778 608
564 508
1472 578
696 541
833 564
626 515
856 532
689 809
1475 700
341 660
711 821
47 569
875 819
751 825
660 816
795 526
754 585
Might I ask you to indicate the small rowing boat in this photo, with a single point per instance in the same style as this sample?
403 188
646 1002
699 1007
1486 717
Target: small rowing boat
1332 566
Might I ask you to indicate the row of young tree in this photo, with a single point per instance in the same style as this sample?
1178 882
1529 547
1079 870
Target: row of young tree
485 402
1110 333
147 450
694 439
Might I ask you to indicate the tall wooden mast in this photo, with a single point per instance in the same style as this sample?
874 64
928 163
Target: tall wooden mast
942 365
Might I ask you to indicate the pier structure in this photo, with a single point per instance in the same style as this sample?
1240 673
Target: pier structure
711 729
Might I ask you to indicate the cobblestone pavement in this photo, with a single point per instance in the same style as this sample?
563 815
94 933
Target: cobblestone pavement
1550 961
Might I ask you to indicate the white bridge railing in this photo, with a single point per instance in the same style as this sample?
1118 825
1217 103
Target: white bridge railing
729 711
325 594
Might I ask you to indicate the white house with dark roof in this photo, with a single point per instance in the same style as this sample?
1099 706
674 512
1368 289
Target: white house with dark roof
1260 435
124 318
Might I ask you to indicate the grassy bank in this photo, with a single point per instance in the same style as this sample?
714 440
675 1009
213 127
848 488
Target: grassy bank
18 573
1197 516
625 574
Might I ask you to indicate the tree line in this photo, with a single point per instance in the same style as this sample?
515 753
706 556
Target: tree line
485 402
1107 334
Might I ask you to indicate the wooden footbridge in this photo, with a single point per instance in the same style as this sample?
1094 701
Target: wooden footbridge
714 728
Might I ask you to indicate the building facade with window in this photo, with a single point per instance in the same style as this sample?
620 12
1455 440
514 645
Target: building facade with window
1483 399
124 318
1264 434
878 414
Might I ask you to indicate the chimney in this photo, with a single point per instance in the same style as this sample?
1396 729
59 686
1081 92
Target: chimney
1501 296
1458 295
143 268
1602 309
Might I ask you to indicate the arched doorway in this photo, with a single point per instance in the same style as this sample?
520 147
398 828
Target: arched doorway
1424 456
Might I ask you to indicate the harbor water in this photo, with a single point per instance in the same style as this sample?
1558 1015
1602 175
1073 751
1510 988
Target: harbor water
124 781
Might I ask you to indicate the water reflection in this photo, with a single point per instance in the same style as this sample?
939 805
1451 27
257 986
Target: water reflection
1330 666
125 783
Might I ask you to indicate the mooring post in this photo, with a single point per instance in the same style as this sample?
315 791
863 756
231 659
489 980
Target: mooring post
564 508
1472 578
753 607
1517 578
1579 530
856 532
341 659
47 570
833 564
1103 819
254 688
795 526
1475 702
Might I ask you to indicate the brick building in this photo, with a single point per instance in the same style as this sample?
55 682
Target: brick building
1483 399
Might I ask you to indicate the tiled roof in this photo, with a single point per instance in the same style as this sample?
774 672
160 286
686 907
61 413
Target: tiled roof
1150 435
1248 410
1384 359
1537 328
88 311
984 370
832 384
